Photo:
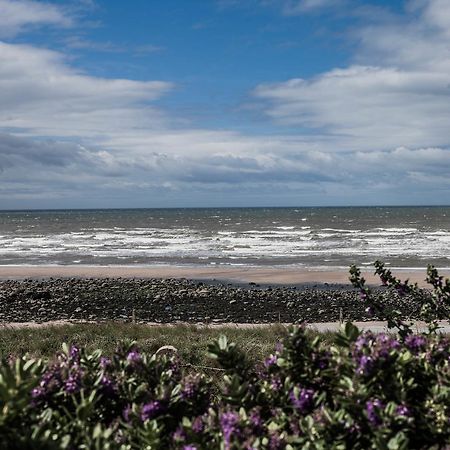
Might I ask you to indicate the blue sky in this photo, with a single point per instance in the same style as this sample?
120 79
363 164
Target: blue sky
224 103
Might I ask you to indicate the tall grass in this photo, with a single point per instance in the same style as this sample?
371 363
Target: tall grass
191 341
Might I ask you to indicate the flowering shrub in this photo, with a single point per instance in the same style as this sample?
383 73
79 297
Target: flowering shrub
362 391
434 305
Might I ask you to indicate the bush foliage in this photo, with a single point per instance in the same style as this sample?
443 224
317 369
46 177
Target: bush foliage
383 391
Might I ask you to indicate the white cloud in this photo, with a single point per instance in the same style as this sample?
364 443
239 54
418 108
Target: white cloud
293 7
398 94
41 95
375 127
15 15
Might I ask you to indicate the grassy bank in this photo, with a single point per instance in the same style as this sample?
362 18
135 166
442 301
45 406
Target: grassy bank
190 340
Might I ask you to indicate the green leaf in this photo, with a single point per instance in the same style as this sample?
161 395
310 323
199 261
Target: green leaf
223 342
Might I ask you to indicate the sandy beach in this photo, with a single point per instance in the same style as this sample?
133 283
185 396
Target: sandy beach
269 275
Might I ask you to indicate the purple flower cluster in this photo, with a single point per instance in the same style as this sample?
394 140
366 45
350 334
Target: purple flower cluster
373 409
109 388
275 383
50 382
229 424
126 413
151 410
302 399
363 295
74 373
255 419
403 410
270 361
179 435
364 364
73 383
385 344
74 354
105 362
134 357
198 425
190 387
415 343
275 442
370 350
280 403
37 393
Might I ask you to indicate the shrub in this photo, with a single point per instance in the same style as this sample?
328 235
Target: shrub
364 391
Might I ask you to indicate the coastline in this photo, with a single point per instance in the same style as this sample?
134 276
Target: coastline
238 275
166 295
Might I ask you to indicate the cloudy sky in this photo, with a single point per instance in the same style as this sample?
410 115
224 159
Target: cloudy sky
107 103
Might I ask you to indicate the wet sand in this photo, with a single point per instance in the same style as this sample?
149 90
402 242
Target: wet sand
259 275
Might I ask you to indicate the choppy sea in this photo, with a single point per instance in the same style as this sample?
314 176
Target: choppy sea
407 237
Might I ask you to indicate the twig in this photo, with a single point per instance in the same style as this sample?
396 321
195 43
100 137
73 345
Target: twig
203 367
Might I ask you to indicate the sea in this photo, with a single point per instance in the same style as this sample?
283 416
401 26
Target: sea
313 237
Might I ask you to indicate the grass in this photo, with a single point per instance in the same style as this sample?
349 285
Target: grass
191 341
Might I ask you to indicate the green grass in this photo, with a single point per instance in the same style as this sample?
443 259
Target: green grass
191 341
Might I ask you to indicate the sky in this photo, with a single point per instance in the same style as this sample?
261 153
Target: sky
199 103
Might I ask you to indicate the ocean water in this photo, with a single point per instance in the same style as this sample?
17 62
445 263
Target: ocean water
409 237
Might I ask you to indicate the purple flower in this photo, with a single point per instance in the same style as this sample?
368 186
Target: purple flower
74 352
189 447
373 408
415 343
386 343
303 401
363 341
108 385
190 388
294 426
179 435
403 410
365 365
363 295
151 410
275 383
255 419
104 362
229 422
134 357
51 379
275 442
37 392
73 383
197 425
270 361
322 364
126 413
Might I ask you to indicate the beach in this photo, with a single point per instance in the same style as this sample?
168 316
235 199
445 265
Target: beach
188 295
260 275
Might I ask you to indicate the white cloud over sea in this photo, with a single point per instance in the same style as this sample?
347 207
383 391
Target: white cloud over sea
375 128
